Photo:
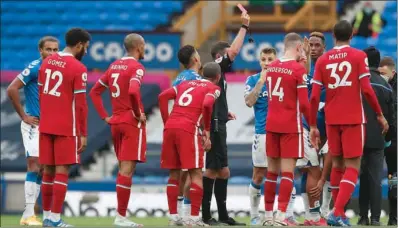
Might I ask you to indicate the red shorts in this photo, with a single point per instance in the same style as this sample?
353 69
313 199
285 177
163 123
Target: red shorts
129 142
346 140
58 149
284 145
181 150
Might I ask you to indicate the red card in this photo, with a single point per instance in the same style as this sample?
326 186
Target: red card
242 9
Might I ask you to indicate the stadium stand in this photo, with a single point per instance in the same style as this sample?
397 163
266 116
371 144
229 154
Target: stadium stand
21 24
386 42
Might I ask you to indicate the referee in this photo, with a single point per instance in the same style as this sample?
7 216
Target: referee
217 171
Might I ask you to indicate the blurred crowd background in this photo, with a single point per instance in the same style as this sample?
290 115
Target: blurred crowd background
166 26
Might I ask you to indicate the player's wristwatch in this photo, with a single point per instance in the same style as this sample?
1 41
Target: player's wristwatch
251 40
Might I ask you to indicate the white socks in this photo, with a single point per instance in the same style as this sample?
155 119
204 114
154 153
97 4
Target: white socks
255 197
180 203
306 206
186 209
32 190
46 215
55 217
290 206
326 197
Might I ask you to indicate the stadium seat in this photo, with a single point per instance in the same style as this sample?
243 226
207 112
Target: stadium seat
30 20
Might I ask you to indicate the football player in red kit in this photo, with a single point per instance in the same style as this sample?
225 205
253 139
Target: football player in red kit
63 121
344 72
287 100
182 146
123 79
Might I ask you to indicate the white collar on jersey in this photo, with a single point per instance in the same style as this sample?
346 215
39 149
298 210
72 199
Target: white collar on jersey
285 59
128 57
341 47
64 54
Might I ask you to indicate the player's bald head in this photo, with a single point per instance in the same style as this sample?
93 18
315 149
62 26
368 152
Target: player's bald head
291 40
211 70
133 41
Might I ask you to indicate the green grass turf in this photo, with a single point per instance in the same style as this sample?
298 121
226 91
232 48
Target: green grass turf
13 221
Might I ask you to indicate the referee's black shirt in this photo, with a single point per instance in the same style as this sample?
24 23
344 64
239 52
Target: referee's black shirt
220 109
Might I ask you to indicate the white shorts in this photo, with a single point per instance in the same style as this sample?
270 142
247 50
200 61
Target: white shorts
310 155
30 138
259 155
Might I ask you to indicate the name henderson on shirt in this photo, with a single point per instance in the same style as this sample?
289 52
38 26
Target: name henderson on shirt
280 70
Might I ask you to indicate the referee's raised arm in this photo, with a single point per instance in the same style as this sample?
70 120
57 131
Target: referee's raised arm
217 171
240 37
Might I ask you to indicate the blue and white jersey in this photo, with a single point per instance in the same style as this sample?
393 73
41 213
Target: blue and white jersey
261 106
29 78
310 75
186 75
321 112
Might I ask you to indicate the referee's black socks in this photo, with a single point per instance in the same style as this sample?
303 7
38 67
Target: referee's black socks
220 191
208 184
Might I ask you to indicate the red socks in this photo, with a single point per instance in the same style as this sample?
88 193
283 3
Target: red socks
270 191
196 195
335 178
59 191
285 190
347 187
123 189
47 191
172 195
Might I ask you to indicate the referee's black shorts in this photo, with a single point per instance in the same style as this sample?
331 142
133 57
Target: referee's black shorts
217 157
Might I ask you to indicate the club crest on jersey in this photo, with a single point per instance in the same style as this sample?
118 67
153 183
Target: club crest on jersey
139 73
25 72
217 93
305 78
84 77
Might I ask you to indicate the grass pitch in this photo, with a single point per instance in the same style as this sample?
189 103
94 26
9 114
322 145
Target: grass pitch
13 221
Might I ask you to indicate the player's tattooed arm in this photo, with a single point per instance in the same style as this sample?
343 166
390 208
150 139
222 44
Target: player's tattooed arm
13 94
251 98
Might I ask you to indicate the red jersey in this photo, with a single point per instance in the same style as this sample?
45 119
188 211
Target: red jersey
188 105
123 78
284 78
63 108
339 70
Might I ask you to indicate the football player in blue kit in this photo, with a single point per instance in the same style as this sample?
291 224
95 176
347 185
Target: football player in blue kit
30 116
314 180
256 96
189 57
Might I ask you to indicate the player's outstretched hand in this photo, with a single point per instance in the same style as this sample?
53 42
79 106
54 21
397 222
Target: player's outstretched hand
231 116
31 120
245 18
383 123
317 190
83 142
206 141
315 138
